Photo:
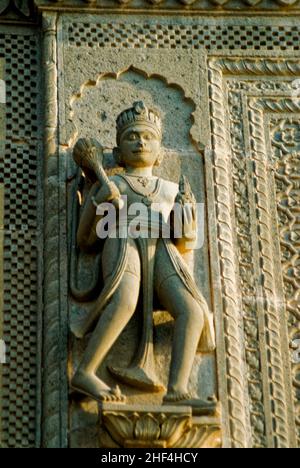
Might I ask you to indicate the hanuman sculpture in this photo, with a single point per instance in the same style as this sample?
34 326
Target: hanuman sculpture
141 265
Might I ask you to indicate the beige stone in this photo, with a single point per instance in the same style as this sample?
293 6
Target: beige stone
225 78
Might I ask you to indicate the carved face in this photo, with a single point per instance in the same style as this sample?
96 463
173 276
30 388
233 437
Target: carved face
139 146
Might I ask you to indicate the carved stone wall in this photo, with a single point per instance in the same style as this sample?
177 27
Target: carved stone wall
92 97
267 379
184 6
20 176
233 78
284 135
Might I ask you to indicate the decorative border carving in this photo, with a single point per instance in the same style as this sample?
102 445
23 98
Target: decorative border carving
275 362
181 5
237 90
286 160
247 271
235 358
259 67
262 67
53 353
2 144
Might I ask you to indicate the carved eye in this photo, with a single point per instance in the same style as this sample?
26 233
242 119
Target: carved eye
132 136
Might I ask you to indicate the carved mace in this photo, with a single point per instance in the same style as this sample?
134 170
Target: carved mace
88 154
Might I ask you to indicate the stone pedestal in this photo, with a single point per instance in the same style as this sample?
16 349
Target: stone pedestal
135 426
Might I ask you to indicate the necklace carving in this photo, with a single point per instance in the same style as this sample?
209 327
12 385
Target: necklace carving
139 185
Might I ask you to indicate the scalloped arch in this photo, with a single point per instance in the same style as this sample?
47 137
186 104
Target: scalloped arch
117 76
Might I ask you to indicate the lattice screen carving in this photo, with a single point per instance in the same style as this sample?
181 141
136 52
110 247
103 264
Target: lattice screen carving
19 174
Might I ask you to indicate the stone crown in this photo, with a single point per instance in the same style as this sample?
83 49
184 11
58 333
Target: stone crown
139 112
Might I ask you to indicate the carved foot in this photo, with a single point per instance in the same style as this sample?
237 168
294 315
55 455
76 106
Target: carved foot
96 389
199 407
138 378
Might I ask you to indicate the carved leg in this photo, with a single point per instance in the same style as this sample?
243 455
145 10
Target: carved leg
189 321
112 321
141 373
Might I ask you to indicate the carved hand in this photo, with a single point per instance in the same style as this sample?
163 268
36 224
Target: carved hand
108 192
88 154
186 199
185 194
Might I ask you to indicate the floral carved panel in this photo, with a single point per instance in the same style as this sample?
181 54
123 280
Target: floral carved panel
263 162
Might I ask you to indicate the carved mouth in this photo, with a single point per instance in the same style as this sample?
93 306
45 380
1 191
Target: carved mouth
141 152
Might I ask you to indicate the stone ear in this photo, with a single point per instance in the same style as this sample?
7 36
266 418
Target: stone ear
159 159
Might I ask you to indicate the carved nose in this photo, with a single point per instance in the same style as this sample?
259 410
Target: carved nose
141 144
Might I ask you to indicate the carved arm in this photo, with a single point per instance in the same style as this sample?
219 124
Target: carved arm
86 233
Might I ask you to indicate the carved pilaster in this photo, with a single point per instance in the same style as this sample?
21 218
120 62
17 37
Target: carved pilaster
50 69
235 359
268 331
2 146
285 136
53 382
247 272
272 352
268 288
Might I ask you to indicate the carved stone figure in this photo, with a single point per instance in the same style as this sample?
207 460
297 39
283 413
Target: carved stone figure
144 265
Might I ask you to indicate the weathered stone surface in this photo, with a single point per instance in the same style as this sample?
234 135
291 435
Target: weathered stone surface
17 11
184 6
225 76
247 369
2 105
20 181
166 92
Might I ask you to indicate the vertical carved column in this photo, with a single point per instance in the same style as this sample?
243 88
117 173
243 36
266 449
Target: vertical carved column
247 268
272 333
287 176
235 360
2 144
285 164
52 358
2 105
275 364
2 343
